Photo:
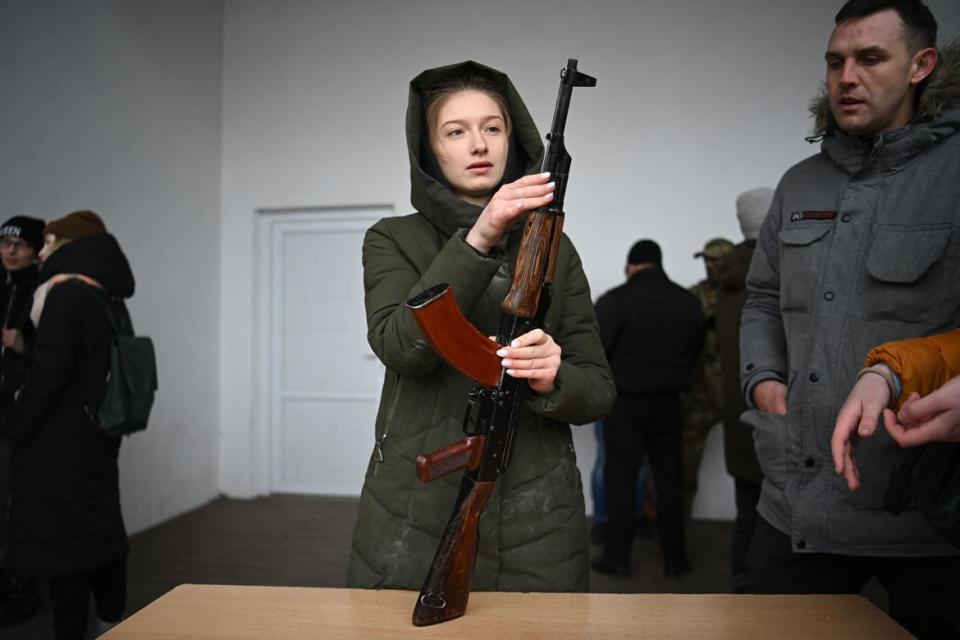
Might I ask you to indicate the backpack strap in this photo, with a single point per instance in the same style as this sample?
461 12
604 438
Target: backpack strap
105 303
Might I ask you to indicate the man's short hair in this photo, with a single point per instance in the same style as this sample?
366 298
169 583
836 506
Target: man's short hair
645 251
919 25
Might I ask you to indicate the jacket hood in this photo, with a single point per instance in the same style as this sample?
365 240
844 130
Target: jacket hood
941 94
98 257
429 193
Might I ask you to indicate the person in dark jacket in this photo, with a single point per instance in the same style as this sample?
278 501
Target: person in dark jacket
66 522
470 141
701 404
21 238
652 330
738 451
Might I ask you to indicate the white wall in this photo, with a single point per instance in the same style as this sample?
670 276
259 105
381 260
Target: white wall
114 105
696 101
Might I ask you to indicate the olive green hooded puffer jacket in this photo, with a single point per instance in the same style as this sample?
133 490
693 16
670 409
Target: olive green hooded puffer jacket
533 534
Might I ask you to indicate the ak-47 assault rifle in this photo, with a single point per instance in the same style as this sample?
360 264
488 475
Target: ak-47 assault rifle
486 450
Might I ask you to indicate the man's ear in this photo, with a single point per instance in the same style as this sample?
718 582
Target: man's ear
922 65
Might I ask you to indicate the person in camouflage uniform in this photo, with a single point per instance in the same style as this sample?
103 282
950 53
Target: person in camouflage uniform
701 404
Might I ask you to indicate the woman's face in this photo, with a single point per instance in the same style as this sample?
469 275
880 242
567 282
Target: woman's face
470 141
48 248
15 253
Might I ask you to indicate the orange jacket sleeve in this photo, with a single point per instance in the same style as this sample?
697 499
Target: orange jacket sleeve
923 364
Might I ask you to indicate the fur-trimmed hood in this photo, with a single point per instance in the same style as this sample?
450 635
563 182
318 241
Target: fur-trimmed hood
941 93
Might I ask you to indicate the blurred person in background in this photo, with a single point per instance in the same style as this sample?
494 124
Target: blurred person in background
21 238
652 330
66 523
738 451
701 403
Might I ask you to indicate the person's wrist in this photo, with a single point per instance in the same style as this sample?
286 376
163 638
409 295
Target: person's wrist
882 370
476 241
479 241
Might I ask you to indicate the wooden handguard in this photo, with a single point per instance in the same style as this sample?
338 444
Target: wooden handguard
466 453
554 247
447 587
540 235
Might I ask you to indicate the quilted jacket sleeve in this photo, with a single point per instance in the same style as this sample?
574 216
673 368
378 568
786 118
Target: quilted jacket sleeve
584 386
763 343
923 364
391 277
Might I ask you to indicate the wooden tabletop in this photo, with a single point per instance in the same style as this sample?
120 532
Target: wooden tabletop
261 613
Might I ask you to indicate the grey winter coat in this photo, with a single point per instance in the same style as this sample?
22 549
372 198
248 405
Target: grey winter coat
533 534
862 246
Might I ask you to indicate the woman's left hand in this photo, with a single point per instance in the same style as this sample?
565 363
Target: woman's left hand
535 357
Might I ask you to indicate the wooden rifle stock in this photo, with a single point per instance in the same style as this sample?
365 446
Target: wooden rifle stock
447 588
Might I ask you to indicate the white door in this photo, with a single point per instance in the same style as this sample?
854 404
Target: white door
320 378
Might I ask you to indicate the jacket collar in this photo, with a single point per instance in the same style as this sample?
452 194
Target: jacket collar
27 275
652 273
890 151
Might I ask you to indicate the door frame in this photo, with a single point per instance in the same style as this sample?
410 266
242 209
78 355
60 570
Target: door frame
266 431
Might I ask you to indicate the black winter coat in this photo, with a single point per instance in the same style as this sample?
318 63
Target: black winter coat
65 504
652 329
16 297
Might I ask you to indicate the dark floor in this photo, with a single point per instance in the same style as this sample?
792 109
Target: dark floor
304 541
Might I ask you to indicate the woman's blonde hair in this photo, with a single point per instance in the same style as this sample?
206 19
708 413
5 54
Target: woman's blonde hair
57 243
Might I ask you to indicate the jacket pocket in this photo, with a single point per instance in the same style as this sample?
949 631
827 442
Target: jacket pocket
907 270
770 442
801 254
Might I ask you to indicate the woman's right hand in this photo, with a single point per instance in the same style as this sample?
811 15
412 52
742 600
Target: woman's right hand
507 204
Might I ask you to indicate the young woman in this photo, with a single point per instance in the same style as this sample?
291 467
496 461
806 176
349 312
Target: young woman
470 141
66 521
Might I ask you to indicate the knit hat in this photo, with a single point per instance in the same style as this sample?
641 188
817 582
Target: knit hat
715 248
644 251
29 229
76 225
752 208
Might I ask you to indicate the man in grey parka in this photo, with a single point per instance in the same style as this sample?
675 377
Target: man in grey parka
861 246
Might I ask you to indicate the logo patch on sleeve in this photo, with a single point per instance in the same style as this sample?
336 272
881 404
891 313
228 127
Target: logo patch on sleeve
799 216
